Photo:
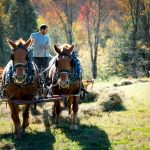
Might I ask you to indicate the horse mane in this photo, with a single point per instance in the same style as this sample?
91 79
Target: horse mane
64 47
20 42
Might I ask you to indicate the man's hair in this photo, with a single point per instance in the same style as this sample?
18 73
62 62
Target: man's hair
43 26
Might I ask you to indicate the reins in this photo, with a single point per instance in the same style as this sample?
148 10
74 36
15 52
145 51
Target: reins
42 72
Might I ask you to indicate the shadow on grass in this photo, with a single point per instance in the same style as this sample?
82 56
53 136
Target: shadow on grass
32 140
89 137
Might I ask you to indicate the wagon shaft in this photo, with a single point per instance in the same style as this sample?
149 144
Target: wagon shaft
53 98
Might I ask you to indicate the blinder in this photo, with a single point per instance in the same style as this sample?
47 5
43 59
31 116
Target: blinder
20 64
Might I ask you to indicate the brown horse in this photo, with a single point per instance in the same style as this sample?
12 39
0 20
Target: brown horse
60 75
17 83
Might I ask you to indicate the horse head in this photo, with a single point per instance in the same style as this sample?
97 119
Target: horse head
64 64
19 58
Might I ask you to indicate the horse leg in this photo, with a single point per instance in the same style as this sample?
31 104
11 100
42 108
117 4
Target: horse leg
69 103
75 108
25 115
53 111
57 109
16 120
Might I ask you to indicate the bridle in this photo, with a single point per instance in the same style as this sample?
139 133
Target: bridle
12 56
24 65
58 72
64 71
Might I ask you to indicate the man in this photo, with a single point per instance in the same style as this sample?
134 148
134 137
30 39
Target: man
41 47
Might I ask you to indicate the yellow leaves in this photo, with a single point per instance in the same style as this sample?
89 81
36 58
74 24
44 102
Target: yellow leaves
79 33
110 44
142 45
114 26
78 26
3 16
125 18
1 10
41 20
123 6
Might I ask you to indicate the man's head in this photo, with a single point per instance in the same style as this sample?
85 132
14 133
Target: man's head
43 29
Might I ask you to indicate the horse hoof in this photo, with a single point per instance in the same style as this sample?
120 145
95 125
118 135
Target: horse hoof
74 127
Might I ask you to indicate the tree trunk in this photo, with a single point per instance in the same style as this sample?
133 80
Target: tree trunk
93 44
94 69
134 54
69 35
135 18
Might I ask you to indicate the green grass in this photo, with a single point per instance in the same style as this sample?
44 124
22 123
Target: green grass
128 129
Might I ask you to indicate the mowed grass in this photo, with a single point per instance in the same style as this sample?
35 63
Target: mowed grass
127 129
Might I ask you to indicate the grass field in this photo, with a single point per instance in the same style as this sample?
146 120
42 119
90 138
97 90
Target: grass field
125 129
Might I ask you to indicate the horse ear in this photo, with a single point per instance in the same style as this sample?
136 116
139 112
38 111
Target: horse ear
57 49
11 44
71 48
26 45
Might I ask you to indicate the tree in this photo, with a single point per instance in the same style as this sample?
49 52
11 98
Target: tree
22 20
1 27
60 14
68 23
144 36
134 9
91 13
4 25
137 17
145 21
66 11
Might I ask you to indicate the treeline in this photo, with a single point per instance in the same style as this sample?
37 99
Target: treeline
112 37
17 20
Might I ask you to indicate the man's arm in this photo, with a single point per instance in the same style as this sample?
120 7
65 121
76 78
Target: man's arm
32 39
47 46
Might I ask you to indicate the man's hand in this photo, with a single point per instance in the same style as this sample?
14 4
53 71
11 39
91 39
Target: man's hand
32 41
47 47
